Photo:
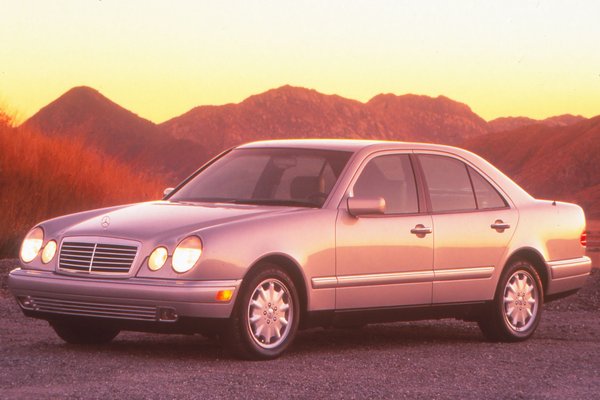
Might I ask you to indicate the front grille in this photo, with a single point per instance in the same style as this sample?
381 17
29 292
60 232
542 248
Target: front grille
89 309
96 257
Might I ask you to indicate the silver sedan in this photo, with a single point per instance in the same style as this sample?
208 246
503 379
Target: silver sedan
274 236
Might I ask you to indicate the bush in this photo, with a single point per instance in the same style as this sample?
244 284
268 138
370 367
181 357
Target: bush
43 177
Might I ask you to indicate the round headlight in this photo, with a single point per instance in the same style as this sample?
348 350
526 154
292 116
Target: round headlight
186 254
157 259
49 252
32 244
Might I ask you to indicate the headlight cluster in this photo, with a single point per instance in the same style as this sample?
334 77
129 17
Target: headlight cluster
185 255
32 244
157 258
49 251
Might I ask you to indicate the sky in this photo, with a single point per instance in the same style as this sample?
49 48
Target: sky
159 59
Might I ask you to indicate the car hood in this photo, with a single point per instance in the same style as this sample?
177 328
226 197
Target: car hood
164 219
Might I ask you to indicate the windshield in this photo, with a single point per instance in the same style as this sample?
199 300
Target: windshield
288 177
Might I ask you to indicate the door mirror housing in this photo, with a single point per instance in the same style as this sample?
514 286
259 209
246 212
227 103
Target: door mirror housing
359 206
167 191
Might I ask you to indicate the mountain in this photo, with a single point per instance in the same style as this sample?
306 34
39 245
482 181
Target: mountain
554 162
294 112
424 118
510 123
178 146
84 113
555 158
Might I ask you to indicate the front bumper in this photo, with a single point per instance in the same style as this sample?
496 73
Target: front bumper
45 293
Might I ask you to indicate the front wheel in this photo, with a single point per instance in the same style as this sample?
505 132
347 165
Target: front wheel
265 318
517 307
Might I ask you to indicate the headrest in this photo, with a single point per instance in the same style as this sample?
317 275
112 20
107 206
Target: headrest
304 186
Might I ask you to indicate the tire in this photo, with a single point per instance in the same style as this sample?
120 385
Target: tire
517 306
75 332
265 317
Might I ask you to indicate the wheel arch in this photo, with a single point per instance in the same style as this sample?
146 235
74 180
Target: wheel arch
290 266
537 261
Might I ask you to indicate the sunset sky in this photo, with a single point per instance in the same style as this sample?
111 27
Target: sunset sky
161 58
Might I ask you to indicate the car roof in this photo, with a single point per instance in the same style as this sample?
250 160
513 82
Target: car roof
341 144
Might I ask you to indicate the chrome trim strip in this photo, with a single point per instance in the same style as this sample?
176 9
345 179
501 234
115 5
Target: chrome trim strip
385 279
171 283
372 279
91 309
328 282
324 282
571 267
91 258
463 273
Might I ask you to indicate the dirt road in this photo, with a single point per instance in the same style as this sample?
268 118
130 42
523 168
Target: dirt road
431 359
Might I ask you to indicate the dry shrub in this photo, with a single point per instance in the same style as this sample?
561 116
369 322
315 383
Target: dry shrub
42 177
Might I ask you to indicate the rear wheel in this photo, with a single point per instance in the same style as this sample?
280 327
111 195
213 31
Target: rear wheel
517 307
75 332
265 318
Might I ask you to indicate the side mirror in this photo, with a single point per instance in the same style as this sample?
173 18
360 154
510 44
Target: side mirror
358 206
167 191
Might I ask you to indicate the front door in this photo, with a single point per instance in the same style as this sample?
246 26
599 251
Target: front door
384 260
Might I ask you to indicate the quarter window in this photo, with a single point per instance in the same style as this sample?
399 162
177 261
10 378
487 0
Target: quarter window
487 196
448 183
390 177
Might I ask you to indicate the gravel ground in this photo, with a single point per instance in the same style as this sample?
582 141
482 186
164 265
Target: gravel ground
429 359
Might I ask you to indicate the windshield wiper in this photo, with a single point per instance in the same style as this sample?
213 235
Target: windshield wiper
265 202
274 202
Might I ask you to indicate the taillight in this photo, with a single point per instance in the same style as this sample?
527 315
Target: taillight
583 238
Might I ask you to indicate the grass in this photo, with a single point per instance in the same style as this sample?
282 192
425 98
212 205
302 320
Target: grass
42 177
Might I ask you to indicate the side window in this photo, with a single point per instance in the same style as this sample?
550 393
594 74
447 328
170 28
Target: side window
487 196
390 177
448 183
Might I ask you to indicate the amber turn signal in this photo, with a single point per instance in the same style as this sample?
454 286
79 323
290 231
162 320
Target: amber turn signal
224 295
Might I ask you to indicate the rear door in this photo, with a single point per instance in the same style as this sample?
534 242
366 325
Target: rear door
472 223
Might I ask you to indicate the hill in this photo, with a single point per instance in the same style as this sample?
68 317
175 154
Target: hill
511 123
554 162
555 158
84 114
178 146
294 112
42 177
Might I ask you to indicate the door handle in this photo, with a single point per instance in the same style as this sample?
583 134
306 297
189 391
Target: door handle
499 225
421 230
